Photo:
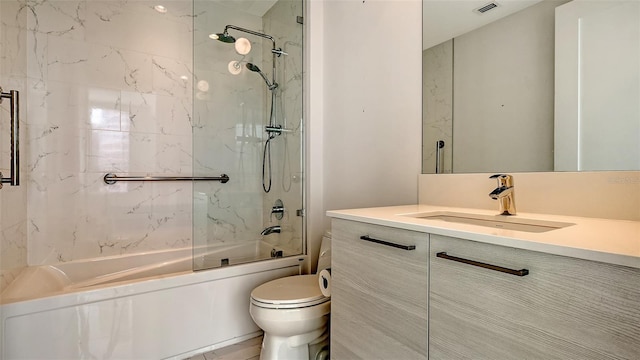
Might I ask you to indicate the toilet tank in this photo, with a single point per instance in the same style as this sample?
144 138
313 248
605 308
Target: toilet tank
324 259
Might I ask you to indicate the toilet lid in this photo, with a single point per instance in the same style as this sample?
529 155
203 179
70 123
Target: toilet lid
289 292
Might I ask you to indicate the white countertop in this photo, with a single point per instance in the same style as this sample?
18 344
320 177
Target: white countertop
608 241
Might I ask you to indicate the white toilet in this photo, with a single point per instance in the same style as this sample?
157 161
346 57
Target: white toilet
294 314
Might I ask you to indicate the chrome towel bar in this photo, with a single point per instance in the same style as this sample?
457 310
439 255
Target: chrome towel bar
111 179
14 97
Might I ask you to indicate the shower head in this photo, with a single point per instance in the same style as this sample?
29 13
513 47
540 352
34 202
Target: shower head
224 37
255 68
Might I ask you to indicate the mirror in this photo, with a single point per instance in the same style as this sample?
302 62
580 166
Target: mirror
501 91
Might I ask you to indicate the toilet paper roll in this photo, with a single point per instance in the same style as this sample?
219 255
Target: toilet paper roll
324 280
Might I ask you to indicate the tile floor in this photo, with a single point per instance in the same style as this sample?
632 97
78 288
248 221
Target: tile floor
246 350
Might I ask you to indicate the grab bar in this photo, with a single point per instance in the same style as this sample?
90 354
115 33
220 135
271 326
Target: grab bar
111 179
14 97
439 145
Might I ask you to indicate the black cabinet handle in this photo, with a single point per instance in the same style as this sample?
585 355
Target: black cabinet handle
522 272
387 243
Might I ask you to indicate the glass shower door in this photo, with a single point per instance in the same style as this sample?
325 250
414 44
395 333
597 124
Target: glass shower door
247 124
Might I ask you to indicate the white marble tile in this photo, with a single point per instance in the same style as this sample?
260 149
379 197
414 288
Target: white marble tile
103 109
106 219
13 14
56 103
13 52
175 115
175 197
13 247
176 155
67 60
139 152
97 65
143 232
36 63
151 113
171 154
228 121
180 11
108 151
117 68
171 77
232 100
110 90
139 112
229 220
13 207
57 18
56 149
110 23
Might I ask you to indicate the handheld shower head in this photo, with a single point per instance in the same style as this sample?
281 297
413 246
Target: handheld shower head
255 68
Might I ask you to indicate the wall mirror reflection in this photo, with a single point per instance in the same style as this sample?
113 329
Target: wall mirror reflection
525 86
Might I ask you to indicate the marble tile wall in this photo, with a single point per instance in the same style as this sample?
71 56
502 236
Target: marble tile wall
228 128
13 200
229 125
287 179
110 86
109 90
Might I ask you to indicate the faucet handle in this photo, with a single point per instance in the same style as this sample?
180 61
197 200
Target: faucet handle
503 179
278 209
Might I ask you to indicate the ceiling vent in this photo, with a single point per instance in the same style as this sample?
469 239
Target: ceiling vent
487 7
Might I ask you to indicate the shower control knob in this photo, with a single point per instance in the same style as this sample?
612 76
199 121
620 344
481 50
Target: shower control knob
278 209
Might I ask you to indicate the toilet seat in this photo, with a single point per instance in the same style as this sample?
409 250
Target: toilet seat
291 292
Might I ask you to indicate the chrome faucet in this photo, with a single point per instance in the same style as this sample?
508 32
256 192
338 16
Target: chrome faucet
504 193
271 230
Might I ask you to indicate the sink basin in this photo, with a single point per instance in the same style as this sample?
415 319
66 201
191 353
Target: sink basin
497 222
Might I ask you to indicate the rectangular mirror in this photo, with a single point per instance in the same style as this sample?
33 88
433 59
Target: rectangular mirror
525 86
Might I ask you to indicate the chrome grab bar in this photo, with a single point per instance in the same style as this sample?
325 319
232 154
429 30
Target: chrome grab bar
439 145
111 179
14 97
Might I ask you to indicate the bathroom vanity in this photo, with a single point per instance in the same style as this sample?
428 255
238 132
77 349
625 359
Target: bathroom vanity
408 286
381 292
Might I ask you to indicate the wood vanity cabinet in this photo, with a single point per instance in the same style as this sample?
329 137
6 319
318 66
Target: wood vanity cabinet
564 308
378 292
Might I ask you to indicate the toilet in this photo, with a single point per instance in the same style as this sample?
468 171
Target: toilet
294 314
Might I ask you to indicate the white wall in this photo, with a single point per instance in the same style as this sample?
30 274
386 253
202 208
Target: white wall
372 103
314 134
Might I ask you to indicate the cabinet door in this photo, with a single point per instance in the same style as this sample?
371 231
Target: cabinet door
565 308
378 293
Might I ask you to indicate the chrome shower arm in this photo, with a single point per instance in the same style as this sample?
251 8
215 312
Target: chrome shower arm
273 41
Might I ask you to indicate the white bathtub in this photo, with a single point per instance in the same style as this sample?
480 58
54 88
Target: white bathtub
146 306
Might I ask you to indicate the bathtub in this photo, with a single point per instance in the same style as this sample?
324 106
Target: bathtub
143 306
